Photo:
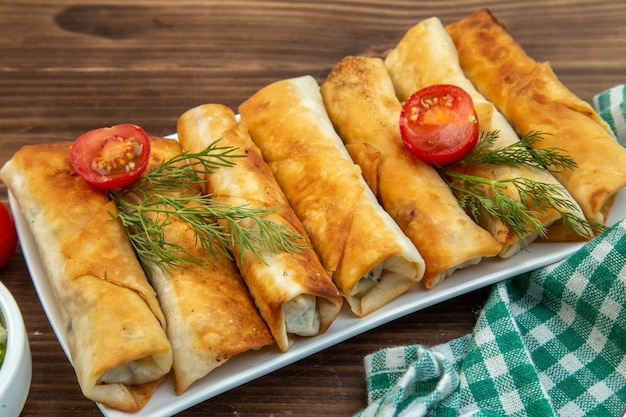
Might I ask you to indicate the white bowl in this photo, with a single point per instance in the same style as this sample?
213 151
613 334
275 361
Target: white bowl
16 369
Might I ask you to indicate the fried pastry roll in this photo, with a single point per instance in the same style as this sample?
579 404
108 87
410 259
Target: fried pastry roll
426 56
293 292
210 312
371 260
532 98
115 327
361 101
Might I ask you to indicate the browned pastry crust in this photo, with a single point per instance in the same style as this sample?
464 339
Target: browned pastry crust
370 259
210 312
532 98
115 327
293 292
426 56
362 103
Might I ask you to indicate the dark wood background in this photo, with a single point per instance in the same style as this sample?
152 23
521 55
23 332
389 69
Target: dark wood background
71 66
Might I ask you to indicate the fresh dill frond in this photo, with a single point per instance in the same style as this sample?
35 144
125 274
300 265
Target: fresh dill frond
520 153
188 170
473 197
170 192
520 214
519 210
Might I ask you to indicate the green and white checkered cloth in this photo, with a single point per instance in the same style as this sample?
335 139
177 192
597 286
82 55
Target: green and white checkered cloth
550 342
611 106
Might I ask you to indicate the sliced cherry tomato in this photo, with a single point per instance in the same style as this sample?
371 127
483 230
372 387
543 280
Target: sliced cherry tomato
8 236
438 124
111 157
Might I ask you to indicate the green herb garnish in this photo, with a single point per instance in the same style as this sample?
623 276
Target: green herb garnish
172 190
519 153
478 195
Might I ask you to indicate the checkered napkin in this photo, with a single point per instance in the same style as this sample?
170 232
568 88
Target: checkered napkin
550 342
611 106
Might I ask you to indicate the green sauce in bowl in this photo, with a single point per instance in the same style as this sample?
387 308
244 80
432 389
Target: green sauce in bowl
3 343
15 358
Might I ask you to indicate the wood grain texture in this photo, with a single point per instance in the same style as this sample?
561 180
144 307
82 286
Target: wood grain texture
71 66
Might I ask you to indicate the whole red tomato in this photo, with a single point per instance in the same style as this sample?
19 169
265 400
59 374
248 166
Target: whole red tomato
8 236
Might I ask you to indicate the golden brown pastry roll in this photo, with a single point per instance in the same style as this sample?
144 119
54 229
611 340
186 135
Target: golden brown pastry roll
115 326
371 260
210 313
362 104
293 292
426 56
532 98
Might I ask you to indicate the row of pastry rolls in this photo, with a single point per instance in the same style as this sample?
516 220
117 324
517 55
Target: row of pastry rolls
361 101
376 228
210 314
364 251
427 56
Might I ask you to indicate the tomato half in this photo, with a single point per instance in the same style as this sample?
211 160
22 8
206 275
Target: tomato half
438 124
8 236
111 157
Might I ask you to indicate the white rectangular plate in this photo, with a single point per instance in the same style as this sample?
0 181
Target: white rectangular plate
252 365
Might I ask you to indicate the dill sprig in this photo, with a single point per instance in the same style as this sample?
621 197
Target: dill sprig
520 153
170 192
479 195
187 171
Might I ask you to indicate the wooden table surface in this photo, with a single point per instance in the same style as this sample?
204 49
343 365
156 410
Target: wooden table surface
69 66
